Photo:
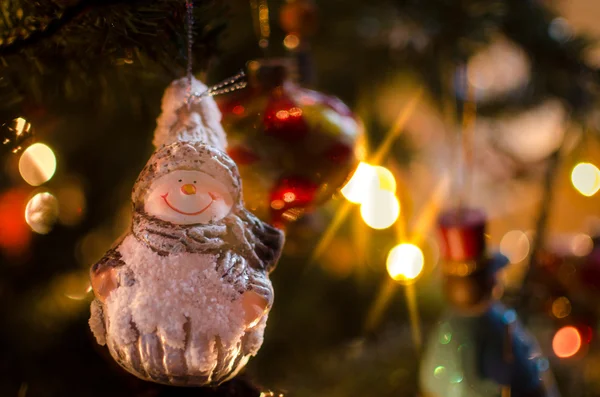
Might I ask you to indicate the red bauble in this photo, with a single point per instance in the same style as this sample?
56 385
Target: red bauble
289 197
288 141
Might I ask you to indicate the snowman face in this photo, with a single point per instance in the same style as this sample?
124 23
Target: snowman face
187 197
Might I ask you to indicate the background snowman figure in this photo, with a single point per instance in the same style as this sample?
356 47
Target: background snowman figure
479 348
183 298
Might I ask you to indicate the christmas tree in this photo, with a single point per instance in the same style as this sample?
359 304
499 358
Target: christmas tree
442 105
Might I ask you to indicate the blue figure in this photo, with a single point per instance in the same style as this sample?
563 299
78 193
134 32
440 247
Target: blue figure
479 348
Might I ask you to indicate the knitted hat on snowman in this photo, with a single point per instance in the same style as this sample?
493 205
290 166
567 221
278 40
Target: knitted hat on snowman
189 138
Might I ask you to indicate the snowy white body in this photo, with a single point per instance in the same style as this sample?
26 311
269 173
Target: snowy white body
181 307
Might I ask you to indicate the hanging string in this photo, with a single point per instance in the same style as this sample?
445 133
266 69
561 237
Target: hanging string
228 85
189 6
260 20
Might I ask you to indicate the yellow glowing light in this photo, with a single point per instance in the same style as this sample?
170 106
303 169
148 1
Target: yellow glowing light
586 178
37 164
367 178
21 123
291 41
561 307
566 342
405 262
515 245
355 190
380 209
385 178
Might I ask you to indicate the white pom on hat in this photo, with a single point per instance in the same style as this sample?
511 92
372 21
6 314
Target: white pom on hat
200 122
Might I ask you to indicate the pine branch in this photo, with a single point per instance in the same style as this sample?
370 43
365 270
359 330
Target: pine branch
82 51
15 44
455 30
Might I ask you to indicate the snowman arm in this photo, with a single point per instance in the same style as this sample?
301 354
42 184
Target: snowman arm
111 259
96 322
268 244
104 274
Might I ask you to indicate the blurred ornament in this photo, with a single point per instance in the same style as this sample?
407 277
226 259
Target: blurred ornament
288 140
15 134
37 164
462 234
479 348
41 212
586 179
14 232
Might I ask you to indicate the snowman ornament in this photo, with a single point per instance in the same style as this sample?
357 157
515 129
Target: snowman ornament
183 297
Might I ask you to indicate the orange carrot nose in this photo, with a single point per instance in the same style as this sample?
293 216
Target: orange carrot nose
188 188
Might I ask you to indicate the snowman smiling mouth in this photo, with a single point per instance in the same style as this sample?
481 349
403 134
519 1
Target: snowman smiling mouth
213 197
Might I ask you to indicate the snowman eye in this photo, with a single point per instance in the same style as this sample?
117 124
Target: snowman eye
180 180
194 181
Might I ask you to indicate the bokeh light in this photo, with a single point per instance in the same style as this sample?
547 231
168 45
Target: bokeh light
385 179
366 179
586 178
515 245
581 244
354 190
41 212
380 209
405 262
439 372
566 342
291 41
37 164
498 69
561 307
